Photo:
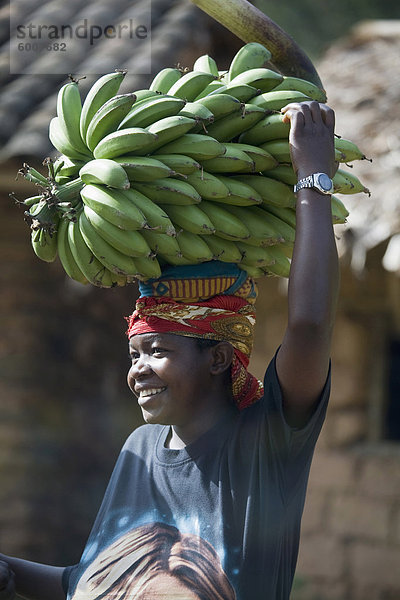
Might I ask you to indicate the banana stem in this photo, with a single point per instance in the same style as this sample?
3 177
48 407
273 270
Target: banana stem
251 25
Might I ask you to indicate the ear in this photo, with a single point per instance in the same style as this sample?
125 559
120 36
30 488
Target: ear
222 357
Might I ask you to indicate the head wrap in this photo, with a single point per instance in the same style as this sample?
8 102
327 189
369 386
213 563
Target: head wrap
208 301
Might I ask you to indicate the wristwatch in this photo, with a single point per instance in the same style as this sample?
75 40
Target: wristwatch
319 181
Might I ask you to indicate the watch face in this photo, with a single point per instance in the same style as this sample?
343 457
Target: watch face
325 182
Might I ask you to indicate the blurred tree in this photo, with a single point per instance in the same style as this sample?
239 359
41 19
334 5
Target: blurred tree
314 25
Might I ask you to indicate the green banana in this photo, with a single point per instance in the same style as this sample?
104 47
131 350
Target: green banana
262 160
161 243
240 91
347 183
107 118
190 85
164 80
148 267
206 64
276 100
65 255
211 88
339 211
252 271
143 168
250 56
63 144
173 259
271 127
262 232
134 140
130 243
232 161
32 175
260 78
144 94
168 130
231 126
271 191
281 265
240 193
111 258
94 271
102 90
151 110
258 256
190 218
181 164
207 185
286 214
65 167
349 151
196 145
114 206
106 171
222 249
301 85
193 247
226 225
199 112
69 108
280 150
220 105
168 190
32 201
44 244
156 218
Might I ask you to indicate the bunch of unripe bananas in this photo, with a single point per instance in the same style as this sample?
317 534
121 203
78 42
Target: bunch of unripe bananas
195 168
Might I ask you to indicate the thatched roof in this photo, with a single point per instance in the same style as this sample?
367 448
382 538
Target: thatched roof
361 74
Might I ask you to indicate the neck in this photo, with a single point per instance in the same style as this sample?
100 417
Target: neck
181 436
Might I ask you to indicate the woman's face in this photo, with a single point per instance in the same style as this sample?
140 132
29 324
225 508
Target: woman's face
166 587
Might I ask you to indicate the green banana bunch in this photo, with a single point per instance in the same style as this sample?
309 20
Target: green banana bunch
193 169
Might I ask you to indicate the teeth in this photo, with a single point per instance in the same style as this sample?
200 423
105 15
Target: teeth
151 392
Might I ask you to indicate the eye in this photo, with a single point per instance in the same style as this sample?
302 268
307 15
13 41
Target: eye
133 356
158 351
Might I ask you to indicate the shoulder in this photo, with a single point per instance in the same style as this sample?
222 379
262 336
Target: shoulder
142 437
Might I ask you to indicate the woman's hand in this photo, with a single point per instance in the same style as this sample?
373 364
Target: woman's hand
311 138
7 586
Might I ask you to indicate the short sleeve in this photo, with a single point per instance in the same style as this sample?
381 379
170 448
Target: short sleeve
294 447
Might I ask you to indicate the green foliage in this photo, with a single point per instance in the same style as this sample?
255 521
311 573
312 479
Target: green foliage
314 25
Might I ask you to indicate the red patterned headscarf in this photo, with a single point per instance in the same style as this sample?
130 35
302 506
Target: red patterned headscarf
221 317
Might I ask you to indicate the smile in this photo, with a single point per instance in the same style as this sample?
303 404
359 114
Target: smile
150 392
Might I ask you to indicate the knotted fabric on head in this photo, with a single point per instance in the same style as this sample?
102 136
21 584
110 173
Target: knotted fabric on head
182 302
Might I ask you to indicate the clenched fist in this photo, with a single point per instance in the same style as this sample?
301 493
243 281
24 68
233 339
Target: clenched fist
7 586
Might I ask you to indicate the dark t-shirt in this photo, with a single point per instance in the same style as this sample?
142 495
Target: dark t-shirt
236 495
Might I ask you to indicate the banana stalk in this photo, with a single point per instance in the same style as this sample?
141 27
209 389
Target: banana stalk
252 25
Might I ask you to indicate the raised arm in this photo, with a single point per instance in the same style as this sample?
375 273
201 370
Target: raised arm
30 580
303 359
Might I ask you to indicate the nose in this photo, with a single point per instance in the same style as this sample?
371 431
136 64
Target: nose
139 368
